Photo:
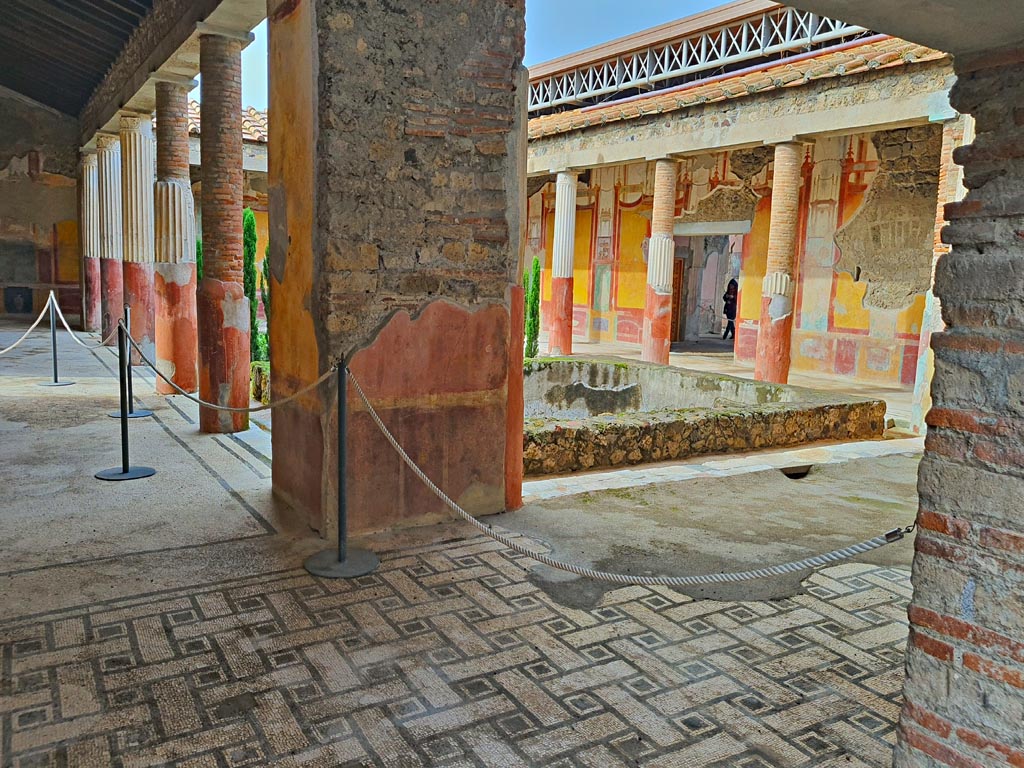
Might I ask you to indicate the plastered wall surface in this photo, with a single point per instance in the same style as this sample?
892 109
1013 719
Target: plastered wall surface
39 238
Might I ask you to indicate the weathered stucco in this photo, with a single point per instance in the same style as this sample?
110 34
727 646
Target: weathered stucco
414 200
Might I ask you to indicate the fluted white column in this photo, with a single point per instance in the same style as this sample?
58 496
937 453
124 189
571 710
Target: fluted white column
564 246
137 187
108 153
90 229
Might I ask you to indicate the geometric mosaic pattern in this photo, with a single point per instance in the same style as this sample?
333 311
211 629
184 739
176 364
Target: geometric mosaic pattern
449 656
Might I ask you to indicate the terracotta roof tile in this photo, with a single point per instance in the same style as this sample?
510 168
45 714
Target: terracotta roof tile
254 123
873 54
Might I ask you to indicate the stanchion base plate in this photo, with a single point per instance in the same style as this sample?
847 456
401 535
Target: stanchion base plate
55 383
133 473
358 563
138 413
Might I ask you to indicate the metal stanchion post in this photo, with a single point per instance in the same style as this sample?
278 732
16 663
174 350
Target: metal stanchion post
141 413
344 562
53 346
126 471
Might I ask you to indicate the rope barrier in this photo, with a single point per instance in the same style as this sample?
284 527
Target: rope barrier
31 327
295 395
623 578
74 336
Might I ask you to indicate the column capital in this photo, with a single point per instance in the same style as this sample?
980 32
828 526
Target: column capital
133 121
216 30
89 158
170 78
107 142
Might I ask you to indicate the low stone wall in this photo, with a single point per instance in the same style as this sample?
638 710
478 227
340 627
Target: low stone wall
714 414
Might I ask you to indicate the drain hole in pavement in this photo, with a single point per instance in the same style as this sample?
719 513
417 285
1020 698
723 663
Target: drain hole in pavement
797 472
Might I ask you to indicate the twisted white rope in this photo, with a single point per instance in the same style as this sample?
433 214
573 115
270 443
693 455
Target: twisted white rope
30 328
623 578
326 374
74 336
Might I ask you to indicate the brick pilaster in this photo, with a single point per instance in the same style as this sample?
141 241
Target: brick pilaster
964 692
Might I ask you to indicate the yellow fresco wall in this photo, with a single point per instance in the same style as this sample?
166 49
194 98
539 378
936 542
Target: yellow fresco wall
632 288
581 258
755 249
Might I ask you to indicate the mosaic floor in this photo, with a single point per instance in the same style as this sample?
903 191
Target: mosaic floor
449 656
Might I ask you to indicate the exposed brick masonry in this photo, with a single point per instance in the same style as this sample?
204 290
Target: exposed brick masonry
172 131
965 665
221 154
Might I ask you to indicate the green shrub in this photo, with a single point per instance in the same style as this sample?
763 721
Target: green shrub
265 298
533 311
199 259
249 278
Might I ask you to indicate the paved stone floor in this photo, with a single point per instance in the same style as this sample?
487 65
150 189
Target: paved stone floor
221 651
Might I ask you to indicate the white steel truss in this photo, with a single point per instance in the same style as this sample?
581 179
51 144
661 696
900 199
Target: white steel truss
776 31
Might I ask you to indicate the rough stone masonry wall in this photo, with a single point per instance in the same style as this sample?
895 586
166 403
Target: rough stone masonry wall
964 694
418 189
891 237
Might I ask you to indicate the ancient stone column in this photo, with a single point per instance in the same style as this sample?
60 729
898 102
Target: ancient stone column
108 153
90 228
221 302
560 333
771 362
137 225
661 251
175 246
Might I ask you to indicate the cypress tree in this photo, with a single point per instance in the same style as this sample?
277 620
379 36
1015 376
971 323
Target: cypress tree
533 310
249 277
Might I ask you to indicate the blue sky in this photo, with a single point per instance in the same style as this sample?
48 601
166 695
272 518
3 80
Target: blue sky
553 28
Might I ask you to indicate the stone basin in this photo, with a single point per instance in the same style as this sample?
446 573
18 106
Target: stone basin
588 414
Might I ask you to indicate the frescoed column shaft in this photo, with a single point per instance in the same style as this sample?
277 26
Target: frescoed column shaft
108 153
175 243
222 306
657 331
560 329
137 225
93 308
771 362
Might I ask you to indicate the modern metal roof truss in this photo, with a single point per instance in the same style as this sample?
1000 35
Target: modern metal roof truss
774 32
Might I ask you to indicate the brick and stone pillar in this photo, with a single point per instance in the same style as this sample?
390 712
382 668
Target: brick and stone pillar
771 362
137 225
661 250
223 308
955 133
108 153
964 691
564 246
90 228
396 246
175 246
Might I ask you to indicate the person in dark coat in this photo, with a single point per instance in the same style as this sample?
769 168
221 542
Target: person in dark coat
729 298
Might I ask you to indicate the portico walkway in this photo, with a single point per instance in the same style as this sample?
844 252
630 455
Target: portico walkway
168 621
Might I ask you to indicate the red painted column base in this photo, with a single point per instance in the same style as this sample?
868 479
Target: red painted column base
771 361
515 407
174 287
223 312
93 294
111 297
656 339
560 335
138 295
